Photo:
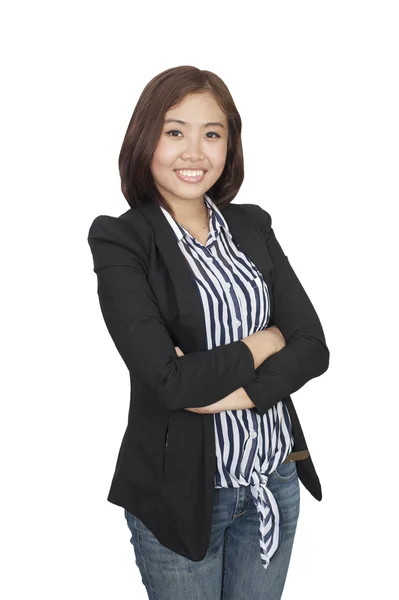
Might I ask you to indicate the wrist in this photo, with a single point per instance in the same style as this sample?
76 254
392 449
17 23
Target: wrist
237 400
244 400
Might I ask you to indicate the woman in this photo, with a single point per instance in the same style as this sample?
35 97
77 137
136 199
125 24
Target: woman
217 332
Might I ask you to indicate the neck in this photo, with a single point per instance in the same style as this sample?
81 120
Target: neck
190 211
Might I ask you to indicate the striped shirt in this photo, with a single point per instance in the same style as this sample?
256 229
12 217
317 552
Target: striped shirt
236 303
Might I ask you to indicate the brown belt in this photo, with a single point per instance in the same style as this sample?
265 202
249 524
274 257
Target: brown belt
299 455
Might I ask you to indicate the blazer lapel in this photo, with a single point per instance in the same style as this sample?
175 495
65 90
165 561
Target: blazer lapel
191 329
250 240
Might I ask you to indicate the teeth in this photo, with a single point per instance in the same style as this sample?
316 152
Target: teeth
191 173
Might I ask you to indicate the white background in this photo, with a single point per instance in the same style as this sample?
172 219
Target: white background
316 84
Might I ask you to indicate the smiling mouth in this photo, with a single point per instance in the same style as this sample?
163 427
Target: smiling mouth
192 170
190 178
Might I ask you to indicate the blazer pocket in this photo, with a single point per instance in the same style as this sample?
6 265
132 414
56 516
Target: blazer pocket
165 444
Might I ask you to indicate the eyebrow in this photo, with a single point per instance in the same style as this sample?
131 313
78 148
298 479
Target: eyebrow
209 124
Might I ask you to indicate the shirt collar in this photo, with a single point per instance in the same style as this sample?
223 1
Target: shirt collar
217 221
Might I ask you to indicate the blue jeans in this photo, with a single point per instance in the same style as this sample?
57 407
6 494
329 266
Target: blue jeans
231 568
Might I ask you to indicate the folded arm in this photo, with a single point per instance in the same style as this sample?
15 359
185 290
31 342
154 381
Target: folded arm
132 317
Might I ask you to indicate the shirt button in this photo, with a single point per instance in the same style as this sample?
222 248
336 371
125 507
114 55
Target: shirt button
238 323
228 286
253 434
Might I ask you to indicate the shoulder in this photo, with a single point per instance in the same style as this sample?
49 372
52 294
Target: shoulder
119 240
118 227
254 213
130 229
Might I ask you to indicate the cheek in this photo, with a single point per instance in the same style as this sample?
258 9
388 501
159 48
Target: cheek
218 155
218 162
164 156
158 164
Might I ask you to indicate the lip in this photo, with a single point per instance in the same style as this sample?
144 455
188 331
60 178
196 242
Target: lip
191 179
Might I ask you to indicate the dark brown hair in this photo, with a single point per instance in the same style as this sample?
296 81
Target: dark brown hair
162 93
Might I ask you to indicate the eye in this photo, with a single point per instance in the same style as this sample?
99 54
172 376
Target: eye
172 131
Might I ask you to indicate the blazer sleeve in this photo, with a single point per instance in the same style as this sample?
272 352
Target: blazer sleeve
305 355
131 314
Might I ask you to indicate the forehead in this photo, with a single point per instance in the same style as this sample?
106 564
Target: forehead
197 109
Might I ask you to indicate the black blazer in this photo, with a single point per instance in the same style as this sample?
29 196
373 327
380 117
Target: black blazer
150 304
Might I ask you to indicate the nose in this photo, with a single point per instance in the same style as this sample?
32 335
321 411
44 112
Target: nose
193 150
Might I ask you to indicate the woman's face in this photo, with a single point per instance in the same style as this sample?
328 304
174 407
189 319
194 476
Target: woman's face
195 144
